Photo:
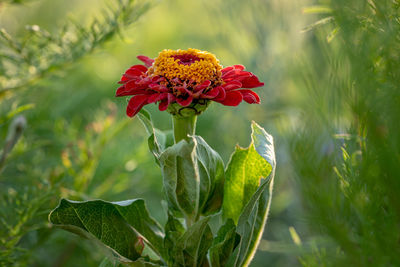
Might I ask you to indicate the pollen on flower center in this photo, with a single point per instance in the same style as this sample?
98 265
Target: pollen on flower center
187 65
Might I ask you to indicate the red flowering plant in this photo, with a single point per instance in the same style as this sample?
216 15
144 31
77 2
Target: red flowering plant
196 184
187 77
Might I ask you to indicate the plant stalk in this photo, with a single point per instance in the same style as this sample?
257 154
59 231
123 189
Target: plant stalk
183 126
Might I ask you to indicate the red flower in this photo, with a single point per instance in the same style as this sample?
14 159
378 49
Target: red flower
186 77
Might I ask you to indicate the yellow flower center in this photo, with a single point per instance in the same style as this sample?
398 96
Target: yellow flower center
187 65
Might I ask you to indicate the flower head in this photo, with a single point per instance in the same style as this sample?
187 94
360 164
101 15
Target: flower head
186 78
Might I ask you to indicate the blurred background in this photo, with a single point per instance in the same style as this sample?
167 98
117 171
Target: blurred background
331 100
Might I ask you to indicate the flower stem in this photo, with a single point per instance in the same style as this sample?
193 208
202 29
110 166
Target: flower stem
183 126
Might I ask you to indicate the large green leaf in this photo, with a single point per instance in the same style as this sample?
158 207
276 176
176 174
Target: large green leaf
252 220
243 174
191 248
193 177
126 227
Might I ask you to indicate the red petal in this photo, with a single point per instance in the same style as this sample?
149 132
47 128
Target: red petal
120 91
135 104
211 94
251 82
146 60
123 91
163 105
181 89
227 69
229 74
158 87
242 75
133 73
184 102
132 84
250 96
202 86
156 97
171 98
238 67
139 67
221 94
232 85
232 71
157 79
233 98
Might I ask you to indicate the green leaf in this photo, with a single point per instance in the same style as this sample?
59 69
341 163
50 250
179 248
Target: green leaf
252 220
125 227
106 262
191 248
245 169
212 177
157 139
224 244
193 177
173 231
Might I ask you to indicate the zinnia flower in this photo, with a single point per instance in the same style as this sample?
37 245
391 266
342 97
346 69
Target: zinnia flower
188 78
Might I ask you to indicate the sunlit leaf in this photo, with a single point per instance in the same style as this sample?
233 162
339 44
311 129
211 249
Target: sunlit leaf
243 174
318 23
252 219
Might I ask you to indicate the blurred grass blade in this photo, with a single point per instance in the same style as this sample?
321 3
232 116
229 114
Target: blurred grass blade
317 24
316 9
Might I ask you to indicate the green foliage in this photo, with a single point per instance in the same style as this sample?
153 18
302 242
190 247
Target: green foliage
20 66
174 229
191 248
342 95
126 227
13 1
193 183
243 174
27 207
223 244
14 133
39 153
347 155
158 140
254 215
193 176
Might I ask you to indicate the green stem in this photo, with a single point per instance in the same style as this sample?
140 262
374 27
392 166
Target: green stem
183 126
